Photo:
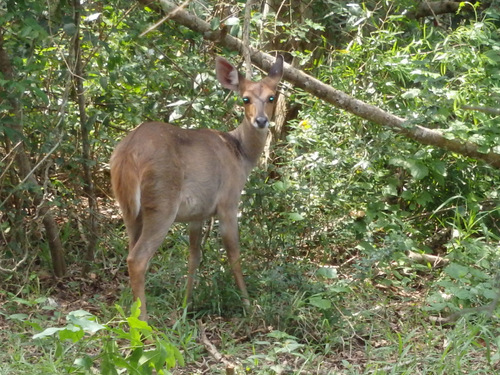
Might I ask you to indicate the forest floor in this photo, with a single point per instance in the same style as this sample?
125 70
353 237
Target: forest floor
369 328
307 317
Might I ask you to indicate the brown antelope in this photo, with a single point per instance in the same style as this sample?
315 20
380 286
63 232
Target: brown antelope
163 174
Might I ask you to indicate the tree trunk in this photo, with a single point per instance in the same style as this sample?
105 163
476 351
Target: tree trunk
327 93
26 172
89 189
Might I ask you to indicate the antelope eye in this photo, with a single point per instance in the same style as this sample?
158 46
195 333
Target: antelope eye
271 99
246 100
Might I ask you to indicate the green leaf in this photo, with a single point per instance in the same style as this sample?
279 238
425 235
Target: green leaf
418 170
120 310
107 365
138 324
161 356
47 332
423 198
411 93
320 302
294 216
327 272
41 95
20 317
280 335
136 355
231 21
70 29
456 271
152 356
82 319
215 23
72 333
135 310
177 354
279 186
84 362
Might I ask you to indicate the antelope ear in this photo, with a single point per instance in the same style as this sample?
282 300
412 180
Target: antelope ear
276 71
227 74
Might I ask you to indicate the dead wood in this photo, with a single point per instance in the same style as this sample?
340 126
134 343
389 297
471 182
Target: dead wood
212 350
434 260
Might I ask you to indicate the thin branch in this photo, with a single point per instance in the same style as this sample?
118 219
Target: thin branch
164 19
6 168
212 350
30 173
488 110
433 8
246 39
18 264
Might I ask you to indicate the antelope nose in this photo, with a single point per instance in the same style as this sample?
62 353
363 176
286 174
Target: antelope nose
262 122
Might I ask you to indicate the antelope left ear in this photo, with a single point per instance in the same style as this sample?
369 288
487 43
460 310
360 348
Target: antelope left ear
276 71
227 74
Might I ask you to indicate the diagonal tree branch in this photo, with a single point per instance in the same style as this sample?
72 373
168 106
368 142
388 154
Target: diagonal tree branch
327 93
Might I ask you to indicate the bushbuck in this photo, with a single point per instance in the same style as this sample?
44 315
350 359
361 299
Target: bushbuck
163 174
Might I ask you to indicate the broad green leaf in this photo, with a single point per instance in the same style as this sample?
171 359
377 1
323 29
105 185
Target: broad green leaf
295 216
136 355
88 325
231 21
161 356
71 332
135 310
47 332
41 95
327 272
418 170
456 271
320 302
84 362
215 23
423 198
70 29
154 357
20 317
411 93
138 324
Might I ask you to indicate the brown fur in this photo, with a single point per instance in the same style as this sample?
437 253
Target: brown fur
161 174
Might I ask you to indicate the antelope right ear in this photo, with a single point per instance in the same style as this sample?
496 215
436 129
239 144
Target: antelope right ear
276 71
227 74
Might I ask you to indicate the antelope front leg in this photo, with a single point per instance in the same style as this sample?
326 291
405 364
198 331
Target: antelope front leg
230 238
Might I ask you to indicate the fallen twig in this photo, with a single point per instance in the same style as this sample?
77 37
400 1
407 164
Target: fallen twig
433 260
212 350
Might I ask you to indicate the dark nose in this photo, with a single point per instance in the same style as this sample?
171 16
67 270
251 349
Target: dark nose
261 122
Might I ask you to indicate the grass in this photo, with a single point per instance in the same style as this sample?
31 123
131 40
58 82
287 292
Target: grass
302 324
307 318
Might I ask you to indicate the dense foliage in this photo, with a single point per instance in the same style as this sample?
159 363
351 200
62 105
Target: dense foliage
327 221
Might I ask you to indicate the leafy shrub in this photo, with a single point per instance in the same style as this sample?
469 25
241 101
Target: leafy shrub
128 344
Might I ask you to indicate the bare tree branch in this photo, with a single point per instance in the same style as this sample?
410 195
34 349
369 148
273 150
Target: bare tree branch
488 110
339 99
88 179
433 8
246 39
